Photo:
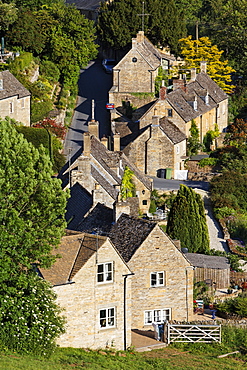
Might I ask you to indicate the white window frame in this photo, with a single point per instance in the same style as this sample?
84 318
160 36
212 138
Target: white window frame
107 318
160 279
105 273
157 316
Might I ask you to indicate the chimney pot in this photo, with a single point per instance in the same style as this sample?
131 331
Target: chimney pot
203 66
193 74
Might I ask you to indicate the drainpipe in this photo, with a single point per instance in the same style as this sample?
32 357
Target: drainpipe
125 289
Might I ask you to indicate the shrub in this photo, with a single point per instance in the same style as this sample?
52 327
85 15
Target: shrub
208 162
40 109
49 70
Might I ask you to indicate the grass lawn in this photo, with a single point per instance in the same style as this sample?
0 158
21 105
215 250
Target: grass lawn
186 357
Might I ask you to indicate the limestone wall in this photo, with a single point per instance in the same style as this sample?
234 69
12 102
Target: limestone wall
83 300
158 253
18 109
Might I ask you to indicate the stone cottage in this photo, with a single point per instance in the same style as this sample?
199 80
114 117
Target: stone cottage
93 286
162 284
159 146
100 171
14 99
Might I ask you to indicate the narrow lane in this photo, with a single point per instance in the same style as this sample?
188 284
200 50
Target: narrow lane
93 84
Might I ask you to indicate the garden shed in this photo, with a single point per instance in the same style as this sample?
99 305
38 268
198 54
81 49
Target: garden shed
214 270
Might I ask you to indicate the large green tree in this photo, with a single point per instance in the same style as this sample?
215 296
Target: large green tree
187 221
120 20
32 207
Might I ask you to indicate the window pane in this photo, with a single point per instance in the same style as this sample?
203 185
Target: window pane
148 317
109 267
100 268
166 315
100 278
161 278
157 315
111 317
109 276
153 279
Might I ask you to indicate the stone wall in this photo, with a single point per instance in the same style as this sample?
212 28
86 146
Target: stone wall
83 300
158 253
18 109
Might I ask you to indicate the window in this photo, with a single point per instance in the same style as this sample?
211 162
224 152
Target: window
105 272
157 316
11 108
107 318
157 279
169 112
144 202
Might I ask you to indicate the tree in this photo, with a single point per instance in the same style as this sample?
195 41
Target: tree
120 20
195 51
193 143
127 186
8 15
32 208
187 221
237 133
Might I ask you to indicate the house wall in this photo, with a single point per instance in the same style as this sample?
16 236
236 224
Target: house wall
143 194
18 109
222 115
158 253
83 300
129 76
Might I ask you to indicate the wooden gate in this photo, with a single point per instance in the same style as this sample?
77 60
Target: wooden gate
193 333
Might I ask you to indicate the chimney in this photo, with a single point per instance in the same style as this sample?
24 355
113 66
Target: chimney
203 66
179 84
87 144
134 43
177 243
104 141
193 74
93 128
155 126
116 142
140 36
163 91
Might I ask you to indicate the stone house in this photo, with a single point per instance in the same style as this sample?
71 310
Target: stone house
93 287
162 284
136 72
160 145
100 171
14 99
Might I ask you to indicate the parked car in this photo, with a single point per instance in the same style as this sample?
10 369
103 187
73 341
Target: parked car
108 65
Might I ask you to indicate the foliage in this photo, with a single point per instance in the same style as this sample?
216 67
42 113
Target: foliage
120 20
229 190
52 126
30 320
232 158
209 137
237 133
208 162
200 289
49 70
162 76
237 227
193 142
31 225
127 186
152 207
195 51
236 305
187 221
40 109
232 258
221 213
8 15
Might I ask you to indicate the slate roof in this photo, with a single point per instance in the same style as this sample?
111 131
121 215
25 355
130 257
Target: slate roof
180 100
75 250
205 261
11 86
172 131
129 233
99 219
109 188
78 205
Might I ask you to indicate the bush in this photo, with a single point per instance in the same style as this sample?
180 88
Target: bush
208 162
50 71
40 109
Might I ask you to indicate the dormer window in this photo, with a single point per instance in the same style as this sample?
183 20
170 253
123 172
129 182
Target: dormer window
169 112
206 99
1 84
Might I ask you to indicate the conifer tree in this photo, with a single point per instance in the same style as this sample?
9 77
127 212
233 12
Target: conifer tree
187 221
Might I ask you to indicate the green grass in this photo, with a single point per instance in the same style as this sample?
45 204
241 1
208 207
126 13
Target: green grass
191 357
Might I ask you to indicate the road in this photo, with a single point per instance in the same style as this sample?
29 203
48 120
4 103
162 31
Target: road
93 84
164 184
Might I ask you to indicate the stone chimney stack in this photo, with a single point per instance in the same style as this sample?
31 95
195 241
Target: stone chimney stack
104 141
93 128
140 36
193 74
87 144
203 66
116 142
163 91
179 84
155 126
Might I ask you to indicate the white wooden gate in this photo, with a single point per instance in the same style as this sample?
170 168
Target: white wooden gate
193 333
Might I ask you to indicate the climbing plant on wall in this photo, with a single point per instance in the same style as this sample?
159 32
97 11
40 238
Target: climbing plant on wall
127 186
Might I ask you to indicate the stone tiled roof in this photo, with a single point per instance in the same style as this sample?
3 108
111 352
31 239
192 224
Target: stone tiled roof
205 261
75 250
11 86
129 233
109 188
143 110
216 93
99 220
139 175
78 205
172 131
